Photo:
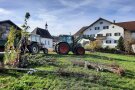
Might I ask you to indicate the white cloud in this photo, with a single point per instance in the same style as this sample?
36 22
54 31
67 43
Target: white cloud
70 18
4 11
57 24
75 3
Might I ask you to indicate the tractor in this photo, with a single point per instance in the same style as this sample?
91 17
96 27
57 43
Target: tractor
68 43
35 45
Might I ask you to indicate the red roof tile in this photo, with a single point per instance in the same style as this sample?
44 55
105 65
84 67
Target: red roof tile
127 25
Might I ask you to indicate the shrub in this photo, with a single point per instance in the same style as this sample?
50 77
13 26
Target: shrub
120 45
107 50
93 45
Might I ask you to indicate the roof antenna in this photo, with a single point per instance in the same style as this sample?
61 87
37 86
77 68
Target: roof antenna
46 26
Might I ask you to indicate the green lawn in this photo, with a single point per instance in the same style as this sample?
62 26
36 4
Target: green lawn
12 80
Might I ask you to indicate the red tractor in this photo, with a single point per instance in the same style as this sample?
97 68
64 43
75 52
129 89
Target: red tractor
67 43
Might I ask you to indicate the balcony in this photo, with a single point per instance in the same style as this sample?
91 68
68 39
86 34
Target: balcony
101 37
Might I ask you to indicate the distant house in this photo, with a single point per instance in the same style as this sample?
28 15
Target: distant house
46 38
4 30
80 32
110 31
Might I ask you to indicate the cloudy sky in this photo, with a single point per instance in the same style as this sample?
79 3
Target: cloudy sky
65 16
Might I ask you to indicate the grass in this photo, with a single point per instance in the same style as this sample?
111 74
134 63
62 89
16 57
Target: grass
13 80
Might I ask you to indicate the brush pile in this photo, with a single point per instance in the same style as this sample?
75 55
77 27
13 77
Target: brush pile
114 68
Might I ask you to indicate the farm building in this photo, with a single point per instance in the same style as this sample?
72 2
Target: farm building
4 30
111 31
46 37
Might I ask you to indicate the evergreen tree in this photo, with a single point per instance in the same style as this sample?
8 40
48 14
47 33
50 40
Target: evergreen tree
120 45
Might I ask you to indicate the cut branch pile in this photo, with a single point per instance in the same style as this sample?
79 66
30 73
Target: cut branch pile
100 67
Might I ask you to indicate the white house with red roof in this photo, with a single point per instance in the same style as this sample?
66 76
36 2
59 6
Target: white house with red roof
111 31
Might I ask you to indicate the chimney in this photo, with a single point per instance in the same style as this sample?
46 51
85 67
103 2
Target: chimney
114 21
46 26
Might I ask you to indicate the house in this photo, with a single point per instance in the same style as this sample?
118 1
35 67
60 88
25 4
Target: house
110 32
4 30
46 38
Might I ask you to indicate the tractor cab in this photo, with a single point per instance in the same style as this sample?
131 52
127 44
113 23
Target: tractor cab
67 38
67 43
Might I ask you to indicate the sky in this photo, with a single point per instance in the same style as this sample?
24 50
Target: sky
66 16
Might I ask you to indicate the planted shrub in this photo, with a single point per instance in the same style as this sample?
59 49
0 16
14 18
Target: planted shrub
93 45
120 45
107 49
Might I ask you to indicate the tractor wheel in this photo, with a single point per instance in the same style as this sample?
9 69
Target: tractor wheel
80 51
74 50
34 49
63 48
56 48
45 50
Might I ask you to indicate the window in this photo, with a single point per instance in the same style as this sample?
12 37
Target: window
3 27
7 28
45 42
115 41
112 26
116 34
108 41
92 35
101 22
99 35
87 35
105 27
84 35
48 43
97 28
108 34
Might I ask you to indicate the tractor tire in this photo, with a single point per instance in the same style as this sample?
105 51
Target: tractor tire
34 48
63 48
45 50
74 50
80 51
56 48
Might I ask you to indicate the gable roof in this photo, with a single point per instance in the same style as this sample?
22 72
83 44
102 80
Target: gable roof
81 30
130 25
86 27
10 22
99 20
42 32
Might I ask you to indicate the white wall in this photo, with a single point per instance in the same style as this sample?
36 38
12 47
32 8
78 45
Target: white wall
48 43
116 29
133 35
